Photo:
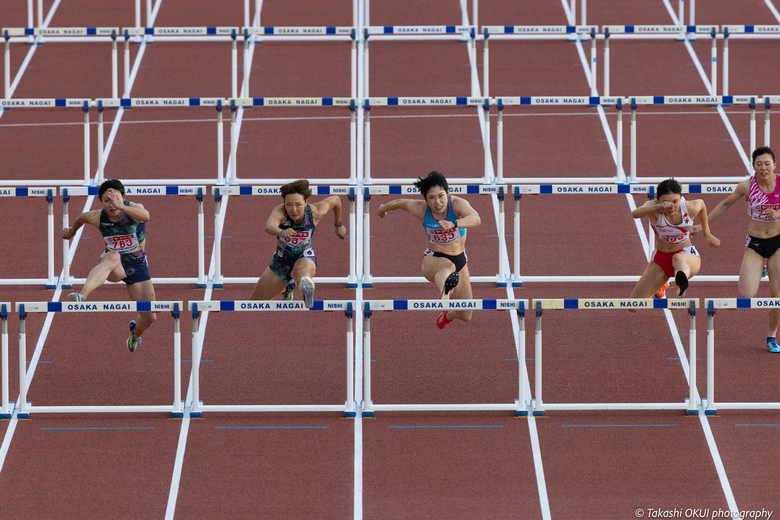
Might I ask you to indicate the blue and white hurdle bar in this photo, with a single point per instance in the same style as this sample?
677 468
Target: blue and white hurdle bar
80 103
599 189
49 193
5 406
220 191
519 406
428 102
24 308
196 307
132 190
290 102
497 190
621 304
61 34
712 305
633 103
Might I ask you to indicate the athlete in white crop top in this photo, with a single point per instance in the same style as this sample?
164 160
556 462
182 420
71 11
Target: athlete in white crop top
762 194
672 219
445 219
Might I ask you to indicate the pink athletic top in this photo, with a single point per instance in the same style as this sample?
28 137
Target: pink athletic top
758 201
674 233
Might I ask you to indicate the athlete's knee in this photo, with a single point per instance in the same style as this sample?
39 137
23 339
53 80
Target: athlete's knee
112 258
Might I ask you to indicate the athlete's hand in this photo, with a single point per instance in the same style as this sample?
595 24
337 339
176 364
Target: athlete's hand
666 205
446 224
66 234
712 240
695 230
287 233
341 231
771 214
382 211
115 197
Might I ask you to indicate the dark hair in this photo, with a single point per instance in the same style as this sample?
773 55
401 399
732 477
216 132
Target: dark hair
113 184
668 186
433 179
761 151
301 187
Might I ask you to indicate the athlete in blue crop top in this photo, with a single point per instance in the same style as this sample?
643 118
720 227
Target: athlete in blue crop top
123 226
445 220
292 223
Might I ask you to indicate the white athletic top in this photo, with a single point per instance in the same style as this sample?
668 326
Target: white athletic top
674 233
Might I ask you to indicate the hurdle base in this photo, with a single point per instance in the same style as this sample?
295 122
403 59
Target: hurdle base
200 285
692 412
4 416
196 415
710 412
518 412
350 413
216 286
178 415
366 413
517 284
366 285
50 287
24 415
69 286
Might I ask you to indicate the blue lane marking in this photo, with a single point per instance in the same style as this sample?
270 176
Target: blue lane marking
270 427
105 428
758 424
612 425
455 426
39 362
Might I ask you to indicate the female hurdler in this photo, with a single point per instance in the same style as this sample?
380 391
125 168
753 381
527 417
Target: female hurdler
123 226
445 219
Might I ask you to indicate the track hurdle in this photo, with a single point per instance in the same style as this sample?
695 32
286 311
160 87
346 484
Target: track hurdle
744 32
269 306
690 404
712 305
23 308
220 191
519 306
184 34
409 189
133 190
163 102
5 406
49 193
539 32
663 32
62 34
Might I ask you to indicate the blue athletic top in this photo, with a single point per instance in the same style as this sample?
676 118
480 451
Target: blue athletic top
122 236
436 234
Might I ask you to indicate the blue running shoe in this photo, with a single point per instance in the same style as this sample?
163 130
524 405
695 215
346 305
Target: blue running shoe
772 344
307 288
288 291
76 297
133 341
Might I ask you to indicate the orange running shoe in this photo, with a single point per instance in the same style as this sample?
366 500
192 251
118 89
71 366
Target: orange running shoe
662 292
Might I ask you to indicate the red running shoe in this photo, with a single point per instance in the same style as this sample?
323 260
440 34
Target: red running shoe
442 320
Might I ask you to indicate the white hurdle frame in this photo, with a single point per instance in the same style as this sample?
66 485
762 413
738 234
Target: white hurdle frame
220 191
743 32
519 406
690 404
5 405
348 307
49 193
455 189
133 190
61 34
712 305
23 308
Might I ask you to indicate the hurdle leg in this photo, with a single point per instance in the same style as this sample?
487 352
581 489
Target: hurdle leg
51 283
725 62
367 411
714 66
65 282
220 145
138 13
23 413
500 143
538 408
40 13
148 13
87 151
710 410
352 280
177 404
621 174
233 143
502 254
520 342
196 348
127 52
485 62
766 121
114 67
99 179
247 22
201 284
516 279
486 138
217 282
5 408
606 65
593 90
633 141
350 408
7 68
366 239
692 404
234 67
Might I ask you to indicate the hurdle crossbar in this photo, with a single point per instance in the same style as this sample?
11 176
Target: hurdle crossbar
712 305
49 193
143 191
409 189
269 306
60 34
690 404
5 406
23 308
743 32
220 191
519 306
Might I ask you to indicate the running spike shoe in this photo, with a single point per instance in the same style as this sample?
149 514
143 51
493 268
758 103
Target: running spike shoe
662 292
442 320
682 283
288 291
449 284
133 341
772 344
307 288
76 297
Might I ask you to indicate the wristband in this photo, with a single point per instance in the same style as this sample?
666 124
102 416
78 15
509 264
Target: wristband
339 223
71 234
280 232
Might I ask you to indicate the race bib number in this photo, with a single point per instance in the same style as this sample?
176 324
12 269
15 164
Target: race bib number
298 239
121 242
443 236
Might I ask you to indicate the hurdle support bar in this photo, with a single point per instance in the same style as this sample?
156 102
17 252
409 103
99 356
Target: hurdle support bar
714 304
5 407
348 307
689 404
23 308
497 190
518 406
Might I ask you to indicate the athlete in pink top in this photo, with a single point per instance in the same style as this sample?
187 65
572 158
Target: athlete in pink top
762 193
672 218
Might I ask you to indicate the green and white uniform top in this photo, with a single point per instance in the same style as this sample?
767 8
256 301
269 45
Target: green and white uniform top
301 240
